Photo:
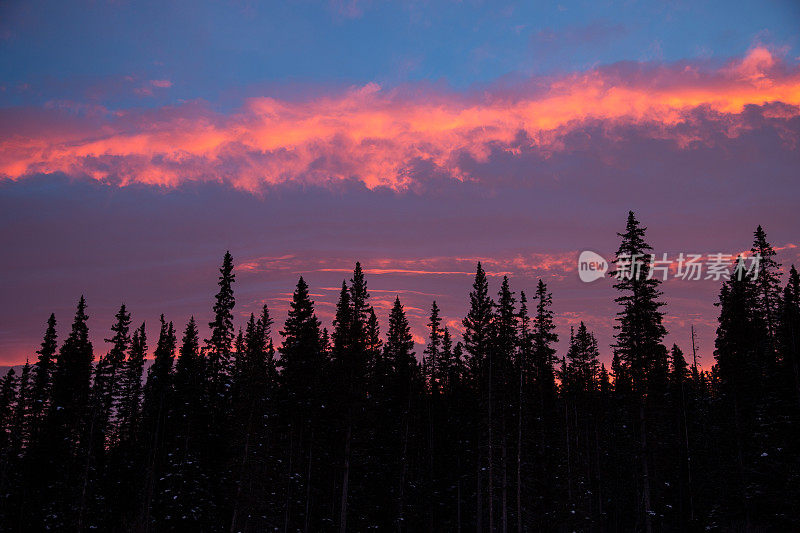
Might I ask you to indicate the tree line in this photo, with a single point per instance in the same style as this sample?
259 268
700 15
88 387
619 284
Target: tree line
349 430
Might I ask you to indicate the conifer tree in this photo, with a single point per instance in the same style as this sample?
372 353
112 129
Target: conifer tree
768 291
477 323
639 339
399 348
43 377
22 412
303 363
219 346
128 404
374 346
447 366
789 333
71 379
478 343
155 408
583 362
108 380
8 399
505 342
399 402
68 436
183 496
544 337
679 368
360 298
301 354
431 358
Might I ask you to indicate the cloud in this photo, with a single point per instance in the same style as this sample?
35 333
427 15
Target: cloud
403 138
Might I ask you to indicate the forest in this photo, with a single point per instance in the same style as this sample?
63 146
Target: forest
265 427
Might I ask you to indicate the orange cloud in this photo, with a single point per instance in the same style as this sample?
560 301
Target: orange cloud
379 137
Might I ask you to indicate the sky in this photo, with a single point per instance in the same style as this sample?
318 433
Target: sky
141 140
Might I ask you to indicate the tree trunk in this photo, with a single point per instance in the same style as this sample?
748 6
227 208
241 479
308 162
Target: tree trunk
308 480
648 521
519 456
346 475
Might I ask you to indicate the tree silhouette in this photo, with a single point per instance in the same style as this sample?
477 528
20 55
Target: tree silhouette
495 427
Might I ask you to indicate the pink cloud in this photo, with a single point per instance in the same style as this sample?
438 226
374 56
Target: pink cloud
381 137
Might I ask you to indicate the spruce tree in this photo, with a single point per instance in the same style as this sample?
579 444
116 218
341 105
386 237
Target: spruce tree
301 353
107 382
43 377
768 291
8 400
431 359
128 404
71 379
639 340
477 323
69 437
478 343
396 429
544 337
183 496
303 363
22 411
220 344
789 333
399 348
155 408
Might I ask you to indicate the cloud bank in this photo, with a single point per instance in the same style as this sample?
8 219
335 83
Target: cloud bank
399 138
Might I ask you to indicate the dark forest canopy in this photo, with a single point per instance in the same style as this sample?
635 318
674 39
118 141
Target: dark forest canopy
297 428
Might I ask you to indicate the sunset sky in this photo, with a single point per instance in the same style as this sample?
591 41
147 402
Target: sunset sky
140 140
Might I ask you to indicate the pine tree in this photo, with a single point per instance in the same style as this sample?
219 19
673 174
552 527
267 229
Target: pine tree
301 354
583 362
253 411
639 322
107 382
374 346
399 403
360 298
639 339
22 412
183 496
447 367
579 377
768 291
303 363
478 343
679 368
504 330
128 404
343 330
431 359
43 377
8 400
477 323
220 344
789 332
71 380
69 438
544 337
155 408
399 348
